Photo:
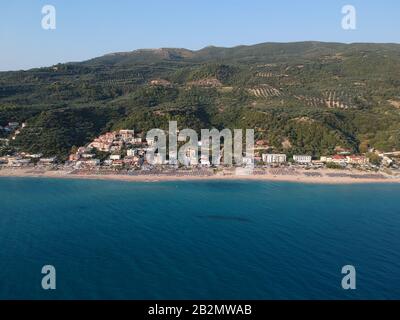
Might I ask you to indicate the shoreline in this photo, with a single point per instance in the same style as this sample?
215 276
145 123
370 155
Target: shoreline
300 177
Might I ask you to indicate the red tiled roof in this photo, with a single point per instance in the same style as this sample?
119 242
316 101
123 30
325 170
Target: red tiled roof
338 157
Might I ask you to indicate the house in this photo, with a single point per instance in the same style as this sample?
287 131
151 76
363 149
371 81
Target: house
150 141
359 160
137 141
87 155
81 150
160 82
131 152
339 159
386 161
115 148
101 145
325 159
302 159
115 157
129 160
248 161
261 143
92 162
318 163
35 155
127 135
205 161
15 162
118 163
108 162
74 157
274 158
47 161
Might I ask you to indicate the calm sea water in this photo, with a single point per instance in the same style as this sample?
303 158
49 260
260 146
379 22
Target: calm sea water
198 240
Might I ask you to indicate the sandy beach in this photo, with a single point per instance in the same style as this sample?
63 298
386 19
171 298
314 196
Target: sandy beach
322 176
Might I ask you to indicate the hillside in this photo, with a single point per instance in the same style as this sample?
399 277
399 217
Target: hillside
307 97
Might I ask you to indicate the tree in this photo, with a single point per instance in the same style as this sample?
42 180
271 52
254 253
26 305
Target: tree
374 158
364 147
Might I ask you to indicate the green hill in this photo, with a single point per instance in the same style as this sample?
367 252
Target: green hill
302 97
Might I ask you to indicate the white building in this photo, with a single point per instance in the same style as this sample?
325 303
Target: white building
115 157
47 160
92 162
205 161
325 159
81 150
115 148
108 162
248 161
35 156
274 158
358 160
303 159
131 152
137 140
386 161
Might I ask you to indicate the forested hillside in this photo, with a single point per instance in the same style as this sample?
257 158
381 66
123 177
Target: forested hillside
305 97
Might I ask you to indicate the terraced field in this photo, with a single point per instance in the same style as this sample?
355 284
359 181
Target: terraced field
335 99
329 99
311 101
265 74
265 91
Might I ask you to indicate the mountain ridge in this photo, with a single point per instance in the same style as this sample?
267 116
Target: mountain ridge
222 52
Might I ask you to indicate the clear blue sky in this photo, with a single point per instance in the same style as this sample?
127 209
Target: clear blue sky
90 28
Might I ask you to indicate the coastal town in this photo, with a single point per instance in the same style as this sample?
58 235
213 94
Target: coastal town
123 153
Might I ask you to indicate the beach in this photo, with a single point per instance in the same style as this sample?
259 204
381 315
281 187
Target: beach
321 176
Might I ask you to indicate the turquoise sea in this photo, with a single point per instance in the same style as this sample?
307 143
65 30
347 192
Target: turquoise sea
198 240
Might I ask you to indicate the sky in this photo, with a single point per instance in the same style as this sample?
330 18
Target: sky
90 28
